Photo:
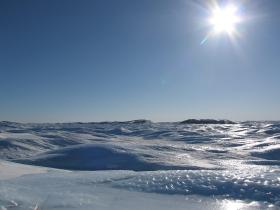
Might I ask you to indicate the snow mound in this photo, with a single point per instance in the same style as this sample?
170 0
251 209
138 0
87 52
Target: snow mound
269 153
94 157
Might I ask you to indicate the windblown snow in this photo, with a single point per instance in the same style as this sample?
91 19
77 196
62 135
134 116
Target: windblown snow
140 165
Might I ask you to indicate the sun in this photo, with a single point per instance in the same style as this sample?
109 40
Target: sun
225 19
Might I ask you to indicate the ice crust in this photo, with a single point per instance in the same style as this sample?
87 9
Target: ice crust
140 165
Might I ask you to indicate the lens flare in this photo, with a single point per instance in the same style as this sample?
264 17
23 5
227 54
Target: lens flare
225 19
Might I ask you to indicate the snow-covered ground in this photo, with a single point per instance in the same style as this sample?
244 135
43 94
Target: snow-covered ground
140 165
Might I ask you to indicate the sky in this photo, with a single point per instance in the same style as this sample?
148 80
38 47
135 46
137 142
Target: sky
99 60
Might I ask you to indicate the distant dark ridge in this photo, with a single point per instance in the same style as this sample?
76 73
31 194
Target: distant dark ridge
206 121
140 121
8 124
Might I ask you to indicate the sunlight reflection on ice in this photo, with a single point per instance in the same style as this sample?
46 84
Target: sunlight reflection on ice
238 205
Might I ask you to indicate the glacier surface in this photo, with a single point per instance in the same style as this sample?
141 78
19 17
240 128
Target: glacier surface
140 165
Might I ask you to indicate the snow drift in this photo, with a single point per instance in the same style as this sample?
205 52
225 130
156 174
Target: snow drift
94 157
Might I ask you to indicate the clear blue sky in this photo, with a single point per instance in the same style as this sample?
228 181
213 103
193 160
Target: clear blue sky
95 60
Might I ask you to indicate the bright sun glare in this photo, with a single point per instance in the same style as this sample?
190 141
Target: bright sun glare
225 19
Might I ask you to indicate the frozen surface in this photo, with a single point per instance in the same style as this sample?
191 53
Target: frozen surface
10 170
140 165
